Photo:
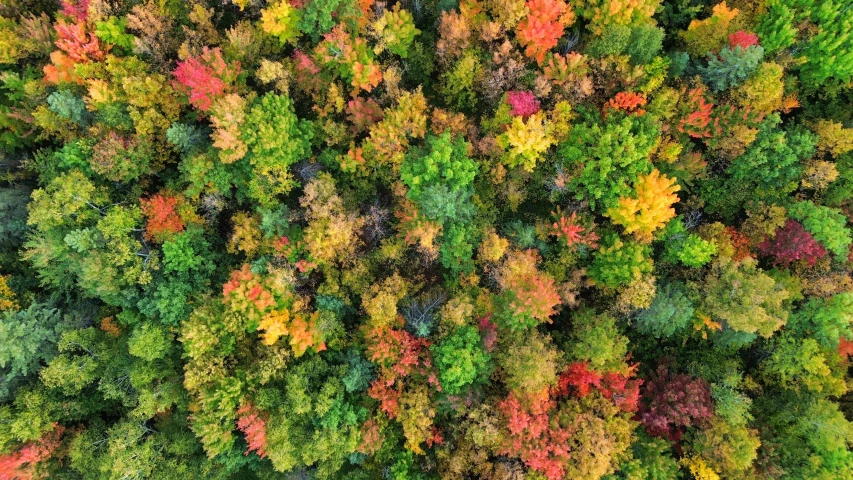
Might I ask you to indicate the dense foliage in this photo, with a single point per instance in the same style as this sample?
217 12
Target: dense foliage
423 239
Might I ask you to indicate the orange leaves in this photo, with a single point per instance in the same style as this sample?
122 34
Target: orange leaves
543 27
303 332
531 294
542 444
20 464
696 122
80 47
61 70
627 101
270 302
163 218
365 76
650 209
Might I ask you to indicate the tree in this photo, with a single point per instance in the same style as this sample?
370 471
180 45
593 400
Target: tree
792 243
605 159
825 224
670 312
529 297
460 359
617 263
801 366
744 298
674 401
543 26
652 207
205 78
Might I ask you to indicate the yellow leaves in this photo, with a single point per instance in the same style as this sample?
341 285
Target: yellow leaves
650 209
698 468
279 20
226 115
704 324
380 300
302 331
7 296
416 414
834 138
710 34
493 247
526 142
275 323
246 236
332 232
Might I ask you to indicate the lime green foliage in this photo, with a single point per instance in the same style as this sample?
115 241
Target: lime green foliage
460 360
800 365
442 161
619 262
689 249
825 319
113 31
457 83
744 298
828 55
149 342
605 158
276 139
313 421
827 225
775 27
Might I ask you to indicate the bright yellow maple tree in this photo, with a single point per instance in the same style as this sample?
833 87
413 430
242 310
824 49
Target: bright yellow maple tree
649 208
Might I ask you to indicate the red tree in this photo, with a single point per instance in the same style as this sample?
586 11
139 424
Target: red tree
523 104
205 78
19 464
742 39
672 402
792 243
541 444
254 427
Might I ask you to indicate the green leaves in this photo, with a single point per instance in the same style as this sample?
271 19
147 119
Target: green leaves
460 359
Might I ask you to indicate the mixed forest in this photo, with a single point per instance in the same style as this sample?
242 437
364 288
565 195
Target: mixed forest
426 239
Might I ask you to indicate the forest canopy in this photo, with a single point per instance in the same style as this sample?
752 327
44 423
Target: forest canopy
426 239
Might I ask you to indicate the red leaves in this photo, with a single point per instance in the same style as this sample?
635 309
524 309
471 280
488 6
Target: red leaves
163 218
19 464
254 427
674 401
792 243
398 354
79 46
742 39
205 78
523 104
489 332
541 444
572 233
696 123
77 9
578 380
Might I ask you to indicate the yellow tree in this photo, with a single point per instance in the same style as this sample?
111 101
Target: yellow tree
650 207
